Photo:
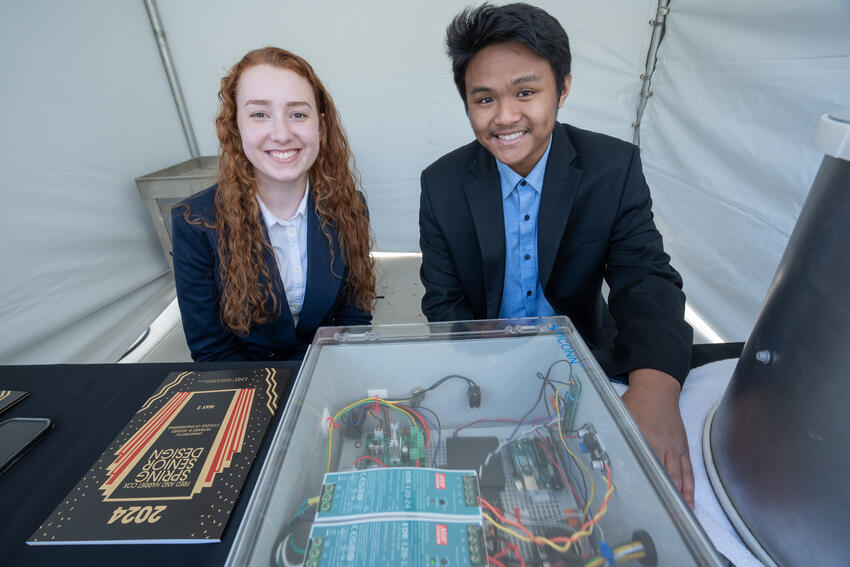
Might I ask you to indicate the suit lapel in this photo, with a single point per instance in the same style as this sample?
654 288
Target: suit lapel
484 195
323 279
560 185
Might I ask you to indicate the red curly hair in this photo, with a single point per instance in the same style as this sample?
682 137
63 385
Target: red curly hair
242 241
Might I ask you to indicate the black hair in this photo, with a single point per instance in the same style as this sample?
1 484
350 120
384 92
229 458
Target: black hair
476 28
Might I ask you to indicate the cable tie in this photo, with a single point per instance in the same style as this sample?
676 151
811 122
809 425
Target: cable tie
377 407
608 553
333 423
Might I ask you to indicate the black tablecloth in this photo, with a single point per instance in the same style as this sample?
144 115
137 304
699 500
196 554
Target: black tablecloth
90 404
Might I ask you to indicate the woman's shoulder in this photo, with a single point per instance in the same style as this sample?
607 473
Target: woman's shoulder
199 205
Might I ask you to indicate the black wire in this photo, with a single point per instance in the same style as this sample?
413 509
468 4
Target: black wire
551 366
551 383
531 409
449 377
290 532
436 417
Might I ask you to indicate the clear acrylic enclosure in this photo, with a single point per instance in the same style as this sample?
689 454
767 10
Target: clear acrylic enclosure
551 468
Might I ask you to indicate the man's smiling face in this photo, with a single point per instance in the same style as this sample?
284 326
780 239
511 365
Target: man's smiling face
512 103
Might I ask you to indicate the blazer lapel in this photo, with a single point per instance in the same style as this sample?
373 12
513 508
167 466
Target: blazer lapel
484 195
560 185
323 278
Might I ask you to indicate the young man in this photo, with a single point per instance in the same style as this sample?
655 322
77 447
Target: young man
528 219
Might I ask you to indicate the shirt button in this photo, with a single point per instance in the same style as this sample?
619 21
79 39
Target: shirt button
526 217
528 293
522 182
298 270
527 256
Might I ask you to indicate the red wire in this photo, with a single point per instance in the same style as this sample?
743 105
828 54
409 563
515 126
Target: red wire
511 522
508 548
495 562
367 458
554 539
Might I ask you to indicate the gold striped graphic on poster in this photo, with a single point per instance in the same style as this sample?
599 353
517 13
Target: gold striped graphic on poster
229 439
131 452
271 390
164 391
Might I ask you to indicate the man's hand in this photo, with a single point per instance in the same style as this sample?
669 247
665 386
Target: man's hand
653 400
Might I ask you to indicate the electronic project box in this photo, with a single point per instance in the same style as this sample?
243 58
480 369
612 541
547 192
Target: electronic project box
471 443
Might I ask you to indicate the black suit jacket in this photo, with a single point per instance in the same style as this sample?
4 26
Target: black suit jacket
595 222
198 280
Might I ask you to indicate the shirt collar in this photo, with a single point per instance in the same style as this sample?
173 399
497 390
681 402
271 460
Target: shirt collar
509 178
269 217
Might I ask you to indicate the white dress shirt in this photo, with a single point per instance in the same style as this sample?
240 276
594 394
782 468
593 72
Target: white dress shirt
289 240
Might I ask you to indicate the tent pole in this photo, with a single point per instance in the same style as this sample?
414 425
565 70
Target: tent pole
657 34
171 73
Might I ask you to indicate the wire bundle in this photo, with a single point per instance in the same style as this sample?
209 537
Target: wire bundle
408 412
559 544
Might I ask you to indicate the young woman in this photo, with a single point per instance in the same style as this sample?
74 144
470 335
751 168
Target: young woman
280 245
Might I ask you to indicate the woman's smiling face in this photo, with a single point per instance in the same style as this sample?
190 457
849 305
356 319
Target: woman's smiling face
278 123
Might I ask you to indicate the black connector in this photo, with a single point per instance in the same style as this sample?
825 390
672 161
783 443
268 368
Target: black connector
351 431
650 555
591 443
474 396
416 398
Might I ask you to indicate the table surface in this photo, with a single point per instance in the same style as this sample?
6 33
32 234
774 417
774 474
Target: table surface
90 404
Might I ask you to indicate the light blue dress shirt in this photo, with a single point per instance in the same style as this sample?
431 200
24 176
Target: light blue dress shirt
522 294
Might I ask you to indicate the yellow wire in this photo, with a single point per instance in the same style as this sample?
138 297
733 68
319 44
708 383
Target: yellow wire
573 538
354 404
561 548
496 524
579 461
600 560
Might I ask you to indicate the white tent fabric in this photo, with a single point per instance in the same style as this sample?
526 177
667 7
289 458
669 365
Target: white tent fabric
86 107
384 63
726 140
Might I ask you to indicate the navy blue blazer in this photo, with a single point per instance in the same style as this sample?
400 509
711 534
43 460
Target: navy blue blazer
198 280
595 222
